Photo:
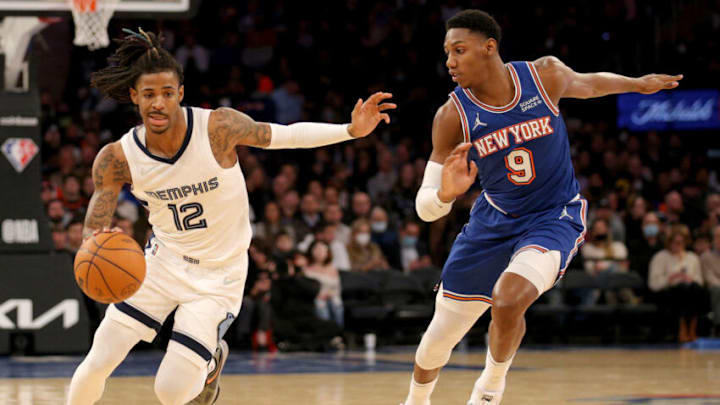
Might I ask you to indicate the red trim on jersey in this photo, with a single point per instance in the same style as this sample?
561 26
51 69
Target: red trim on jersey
463 117
541 89
505 108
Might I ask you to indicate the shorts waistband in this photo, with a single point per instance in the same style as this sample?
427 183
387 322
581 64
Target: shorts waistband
492 203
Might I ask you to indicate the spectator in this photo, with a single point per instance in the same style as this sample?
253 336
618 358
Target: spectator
328 302
71 196
381 183
74 235
634 218
59 237
333 215
414 253
676 278
361 205
57 213
309 216
272 224
710 262
385 236
296 324
603 256
365 255
325 232
289 205
402 198
642 250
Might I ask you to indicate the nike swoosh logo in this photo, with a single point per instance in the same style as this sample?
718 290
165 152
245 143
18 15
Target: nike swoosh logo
147 170
228 281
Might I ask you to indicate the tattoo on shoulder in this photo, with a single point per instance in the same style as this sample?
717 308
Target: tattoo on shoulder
108 167
229 128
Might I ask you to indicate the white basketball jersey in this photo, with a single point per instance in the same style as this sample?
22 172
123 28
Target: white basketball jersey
197 209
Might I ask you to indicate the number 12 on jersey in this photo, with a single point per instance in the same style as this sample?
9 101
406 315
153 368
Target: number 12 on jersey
521 166
195 210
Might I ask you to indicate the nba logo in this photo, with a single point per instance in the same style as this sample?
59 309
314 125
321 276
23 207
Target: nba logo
19 152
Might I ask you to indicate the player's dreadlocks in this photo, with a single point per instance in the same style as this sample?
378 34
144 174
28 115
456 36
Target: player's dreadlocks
138 54
478 21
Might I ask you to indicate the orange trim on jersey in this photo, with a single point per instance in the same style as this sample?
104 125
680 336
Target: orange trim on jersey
520 173
463 117
467 298
535 247
541 89
505 108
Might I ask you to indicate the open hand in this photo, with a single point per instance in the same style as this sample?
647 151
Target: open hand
653 83
366 115
457 174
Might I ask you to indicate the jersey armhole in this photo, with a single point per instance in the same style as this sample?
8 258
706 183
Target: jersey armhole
463 116
541 89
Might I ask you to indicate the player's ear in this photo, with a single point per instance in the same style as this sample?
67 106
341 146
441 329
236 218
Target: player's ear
491 46
181 93
133 95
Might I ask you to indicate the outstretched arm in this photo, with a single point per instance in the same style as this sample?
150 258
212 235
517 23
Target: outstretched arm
110 172
229 128
560 81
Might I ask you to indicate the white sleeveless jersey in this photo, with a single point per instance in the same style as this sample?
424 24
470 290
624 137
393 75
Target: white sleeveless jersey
197 209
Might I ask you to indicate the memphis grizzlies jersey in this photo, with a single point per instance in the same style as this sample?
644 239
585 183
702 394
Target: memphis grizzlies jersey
196 208
521 149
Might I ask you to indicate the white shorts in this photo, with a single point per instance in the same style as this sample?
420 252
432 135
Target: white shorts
204 298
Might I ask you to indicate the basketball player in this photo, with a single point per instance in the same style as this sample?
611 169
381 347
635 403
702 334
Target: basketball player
529 221
184 169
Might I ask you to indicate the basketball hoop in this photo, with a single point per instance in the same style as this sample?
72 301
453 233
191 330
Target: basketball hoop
91 21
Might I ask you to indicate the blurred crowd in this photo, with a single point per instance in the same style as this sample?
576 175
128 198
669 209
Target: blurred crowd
654 196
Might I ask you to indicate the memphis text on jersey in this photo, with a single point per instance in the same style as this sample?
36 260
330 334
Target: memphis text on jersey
520 132
176 193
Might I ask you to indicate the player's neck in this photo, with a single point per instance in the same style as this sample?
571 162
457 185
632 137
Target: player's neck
168 143
498 88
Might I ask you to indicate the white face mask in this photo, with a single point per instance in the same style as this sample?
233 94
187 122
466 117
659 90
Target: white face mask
362 238
379 226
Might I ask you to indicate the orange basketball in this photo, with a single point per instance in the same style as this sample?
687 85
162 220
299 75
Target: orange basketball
110 267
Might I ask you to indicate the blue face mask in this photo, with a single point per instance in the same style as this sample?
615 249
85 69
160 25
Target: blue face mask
409 241
651 230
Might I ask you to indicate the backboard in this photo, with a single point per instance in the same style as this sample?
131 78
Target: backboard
124 8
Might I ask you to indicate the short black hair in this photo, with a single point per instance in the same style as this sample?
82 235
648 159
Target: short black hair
476 20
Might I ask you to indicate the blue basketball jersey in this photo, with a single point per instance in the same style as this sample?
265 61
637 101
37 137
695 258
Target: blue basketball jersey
521 149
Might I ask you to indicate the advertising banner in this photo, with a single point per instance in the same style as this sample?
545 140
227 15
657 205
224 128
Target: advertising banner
669 110
41 306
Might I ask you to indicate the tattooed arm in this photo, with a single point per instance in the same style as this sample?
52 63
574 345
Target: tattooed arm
110 172
229 128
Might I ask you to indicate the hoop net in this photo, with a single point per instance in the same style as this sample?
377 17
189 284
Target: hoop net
91 21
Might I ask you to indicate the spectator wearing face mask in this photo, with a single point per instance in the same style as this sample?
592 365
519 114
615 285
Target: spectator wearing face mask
365 255
385 236
642 250
414 253
603 256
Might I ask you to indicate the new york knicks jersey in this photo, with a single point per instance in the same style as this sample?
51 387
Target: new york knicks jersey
521 149
196 208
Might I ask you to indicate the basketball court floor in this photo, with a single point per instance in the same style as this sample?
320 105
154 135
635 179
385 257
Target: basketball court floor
544 377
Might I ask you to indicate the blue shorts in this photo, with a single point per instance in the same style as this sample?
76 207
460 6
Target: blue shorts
490 239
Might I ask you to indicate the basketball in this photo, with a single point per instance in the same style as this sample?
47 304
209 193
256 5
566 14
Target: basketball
109 267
